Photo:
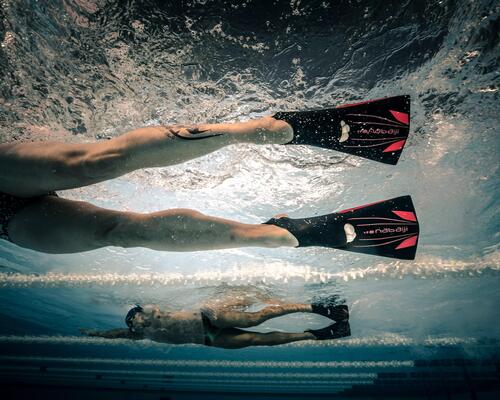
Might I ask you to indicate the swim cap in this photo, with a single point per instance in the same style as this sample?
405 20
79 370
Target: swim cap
130 316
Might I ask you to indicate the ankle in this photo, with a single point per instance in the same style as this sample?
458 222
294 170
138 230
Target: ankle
275 131
275 236
267 236
266 130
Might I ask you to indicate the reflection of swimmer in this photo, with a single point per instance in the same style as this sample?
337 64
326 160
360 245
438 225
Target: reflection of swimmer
33 216
220 326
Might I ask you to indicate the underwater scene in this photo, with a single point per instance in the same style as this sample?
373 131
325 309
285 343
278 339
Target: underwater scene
81 71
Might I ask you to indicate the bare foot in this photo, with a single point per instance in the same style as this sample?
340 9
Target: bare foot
281 237
265 130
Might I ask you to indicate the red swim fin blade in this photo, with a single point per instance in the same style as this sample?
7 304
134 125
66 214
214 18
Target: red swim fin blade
389 228
374 129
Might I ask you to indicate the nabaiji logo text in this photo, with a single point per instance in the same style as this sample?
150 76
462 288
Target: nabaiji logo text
399 229
379 131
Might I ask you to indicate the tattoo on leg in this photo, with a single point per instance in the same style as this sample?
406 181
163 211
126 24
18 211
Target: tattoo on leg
192 133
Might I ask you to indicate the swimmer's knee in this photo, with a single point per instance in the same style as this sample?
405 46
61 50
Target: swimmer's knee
185 213
257 339
177 220
237 341
121 229
90 166
240 319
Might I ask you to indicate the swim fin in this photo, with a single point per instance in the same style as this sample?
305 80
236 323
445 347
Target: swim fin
336 330
335 312
388 228
374 129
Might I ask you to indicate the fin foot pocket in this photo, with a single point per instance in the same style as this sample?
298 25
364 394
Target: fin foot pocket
374 129
334 312
336 330
315 231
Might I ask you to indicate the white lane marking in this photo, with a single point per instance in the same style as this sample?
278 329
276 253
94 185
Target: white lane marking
219 363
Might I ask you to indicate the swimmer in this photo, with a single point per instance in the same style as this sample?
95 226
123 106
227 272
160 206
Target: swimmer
222 327
33 216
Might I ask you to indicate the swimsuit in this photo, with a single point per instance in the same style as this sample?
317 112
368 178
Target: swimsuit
210 331
10 205
208 316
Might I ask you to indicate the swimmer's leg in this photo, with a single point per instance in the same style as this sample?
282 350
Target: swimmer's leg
56 225
30 169
237 338
240 319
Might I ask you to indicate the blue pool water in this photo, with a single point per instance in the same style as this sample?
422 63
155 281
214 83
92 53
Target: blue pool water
80 70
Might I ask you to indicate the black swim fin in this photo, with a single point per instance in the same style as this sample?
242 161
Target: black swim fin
335 312
387 228
334 331
374 129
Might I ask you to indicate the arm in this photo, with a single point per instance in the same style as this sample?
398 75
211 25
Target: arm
118 333
159 335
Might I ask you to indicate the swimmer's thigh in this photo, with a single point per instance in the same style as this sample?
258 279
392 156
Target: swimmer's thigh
233 338
56 225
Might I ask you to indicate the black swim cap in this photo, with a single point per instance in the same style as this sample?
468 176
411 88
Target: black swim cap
131 314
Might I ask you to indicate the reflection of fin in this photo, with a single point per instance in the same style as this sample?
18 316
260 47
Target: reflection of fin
387 228
375 129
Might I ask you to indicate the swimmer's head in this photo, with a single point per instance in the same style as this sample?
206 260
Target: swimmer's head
135 319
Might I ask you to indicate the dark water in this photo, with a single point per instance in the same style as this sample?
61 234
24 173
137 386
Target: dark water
84 70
